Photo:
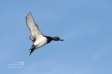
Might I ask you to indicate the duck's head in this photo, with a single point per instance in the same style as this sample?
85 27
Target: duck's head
57 38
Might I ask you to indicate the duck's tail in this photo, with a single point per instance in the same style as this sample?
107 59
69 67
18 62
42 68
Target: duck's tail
32 49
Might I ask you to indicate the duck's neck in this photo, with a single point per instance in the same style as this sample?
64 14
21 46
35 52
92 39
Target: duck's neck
49 39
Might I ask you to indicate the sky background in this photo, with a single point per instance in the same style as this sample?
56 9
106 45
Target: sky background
85 25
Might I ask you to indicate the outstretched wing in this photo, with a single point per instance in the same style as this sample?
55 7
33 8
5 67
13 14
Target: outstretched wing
33 27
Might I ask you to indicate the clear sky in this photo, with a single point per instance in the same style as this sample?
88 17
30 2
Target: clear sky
85 25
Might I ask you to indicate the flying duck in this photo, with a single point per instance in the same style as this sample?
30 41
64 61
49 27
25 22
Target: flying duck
36 36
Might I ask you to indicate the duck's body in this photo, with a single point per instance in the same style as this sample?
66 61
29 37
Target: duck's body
37 37
40 42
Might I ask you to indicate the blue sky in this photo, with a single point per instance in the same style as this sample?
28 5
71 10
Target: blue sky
85 25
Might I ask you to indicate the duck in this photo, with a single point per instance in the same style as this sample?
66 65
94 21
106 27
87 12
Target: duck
37 37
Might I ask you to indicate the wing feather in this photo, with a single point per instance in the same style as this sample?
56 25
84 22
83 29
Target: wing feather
33 27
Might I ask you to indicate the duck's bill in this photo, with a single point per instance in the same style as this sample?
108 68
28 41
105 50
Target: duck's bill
61 39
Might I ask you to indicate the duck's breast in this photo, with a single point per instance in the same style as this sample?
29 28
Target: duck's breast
40 42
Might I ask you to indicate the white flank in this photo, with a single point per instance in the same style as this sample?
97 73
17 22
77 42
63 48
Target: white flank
40 42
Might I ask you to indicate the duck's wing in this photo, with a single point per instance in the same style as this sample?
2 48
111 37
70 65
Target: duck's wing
33 27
